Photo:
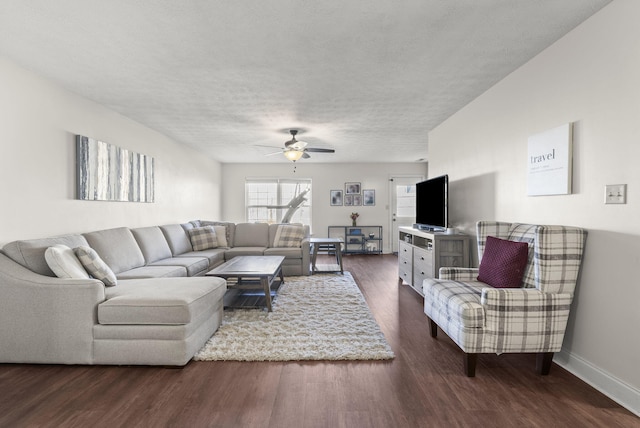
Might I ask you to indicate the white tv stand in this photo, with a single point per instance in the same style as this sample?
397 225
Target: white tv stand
421 254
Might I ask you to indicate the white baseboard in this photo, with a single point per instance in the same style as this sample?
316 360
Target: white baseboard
625 395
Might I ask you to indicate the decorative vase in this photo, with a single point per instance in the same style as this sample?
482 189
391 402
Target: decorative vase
353 222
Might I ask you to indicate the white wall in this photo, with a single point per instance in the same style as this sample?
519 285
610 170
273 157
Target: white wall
325 177
39 121
590 77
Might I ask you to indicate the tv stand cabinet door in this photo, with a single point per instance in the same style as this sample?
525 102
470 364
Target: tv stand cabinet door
423 267
405 262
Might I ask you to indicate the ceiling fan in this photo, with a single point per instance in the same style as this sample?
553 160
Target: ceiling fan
295 149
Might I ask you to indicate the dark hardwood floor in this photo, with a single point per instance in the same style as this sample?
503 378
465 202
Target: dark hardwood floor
424 386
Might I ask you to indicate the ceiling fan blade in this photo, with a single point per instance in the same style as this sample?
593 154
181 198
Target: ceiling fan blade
298 145
274 153
318 150
305 155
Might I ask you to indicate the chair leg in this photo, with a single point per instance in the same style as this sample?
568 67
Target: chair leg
470 364
433 327
543 362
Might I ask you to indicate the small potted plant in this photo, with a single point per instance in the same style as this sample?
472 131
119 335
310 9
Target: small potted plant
354 216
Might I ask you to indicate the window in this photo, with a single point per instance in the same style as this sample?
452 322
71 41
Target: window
272 200
406 200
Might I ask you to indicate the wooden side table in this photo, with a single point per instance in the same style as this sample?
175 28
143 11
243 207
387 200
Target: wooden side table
332 244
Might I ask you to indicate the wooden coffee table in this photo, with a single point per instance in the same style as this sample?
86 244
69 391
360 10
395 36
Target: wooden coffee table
252 273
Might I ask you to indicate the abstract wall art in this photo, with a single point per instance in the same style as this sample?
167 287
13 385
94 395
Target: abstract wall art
105 172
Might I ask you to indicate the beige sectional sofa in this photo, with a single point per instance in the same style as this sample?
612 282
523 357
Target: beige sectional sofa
161 311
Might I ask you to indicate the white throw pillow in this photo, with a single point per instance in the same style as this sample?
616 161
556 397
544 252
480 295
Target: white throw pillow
96 267
221 235
64 263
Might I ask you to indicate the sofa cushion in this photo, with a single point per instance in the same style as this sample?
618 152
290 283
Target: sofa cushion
244 251
117 247
455 301
503 263
153 272
64 262
203 238
251 235
193 265
168 301
152 243
288 235
287 252
30 253
96 267
177 238
215 255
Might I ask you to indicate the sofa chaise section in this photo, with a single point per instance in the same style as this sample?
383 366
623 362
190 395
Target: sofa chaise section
160 321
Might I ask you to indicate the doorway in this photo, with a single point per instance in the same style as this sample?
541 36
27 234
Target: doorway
403 205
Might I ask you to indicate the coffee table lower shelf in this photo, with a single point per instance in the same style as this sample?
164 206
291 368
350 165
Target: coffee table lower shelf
250 298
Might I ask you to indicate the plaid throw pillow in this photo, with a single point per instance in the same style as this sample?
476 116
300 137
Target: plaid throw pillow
96 267
288 235
203 238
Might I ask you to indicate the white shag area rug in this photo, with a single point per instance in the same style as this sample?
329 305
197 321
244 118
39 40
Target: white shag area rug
318 317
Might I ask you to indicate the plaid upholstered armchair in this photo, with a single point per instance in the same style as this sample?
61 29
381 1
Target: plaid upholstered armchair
530 317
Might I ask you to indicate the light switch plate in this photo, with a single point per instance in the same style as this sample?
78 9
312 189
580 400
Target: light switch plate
615 194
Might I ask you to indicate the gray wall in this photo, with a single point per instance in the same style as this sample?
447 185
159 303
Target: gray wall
37 164
590 78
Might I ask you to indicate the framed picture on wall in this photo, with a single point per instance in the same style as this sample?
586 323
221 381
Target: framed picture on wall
368 198
549 161
348 200
336 198
357 200
352 188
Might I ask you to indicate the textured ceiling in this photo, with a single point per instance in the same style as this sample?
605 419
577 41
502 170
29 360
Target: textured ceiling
367 78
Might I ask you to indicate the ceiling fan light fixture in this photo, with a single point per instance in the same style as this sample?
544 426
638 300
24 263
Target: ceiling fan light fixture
293 155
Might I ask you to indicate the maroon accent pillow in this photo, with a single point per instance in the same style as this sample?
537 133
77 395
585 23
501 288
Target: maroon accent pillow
503 263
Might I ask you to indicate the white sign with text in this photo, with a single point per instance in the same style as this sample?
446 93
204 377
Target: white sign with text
549 162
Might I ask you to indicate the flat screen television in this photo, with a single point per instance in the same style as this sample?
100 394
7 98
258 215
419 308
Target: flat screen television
431 204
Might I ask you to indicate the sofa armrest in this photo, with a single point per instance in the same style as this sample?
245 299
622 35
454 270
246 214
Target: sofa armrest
46 319
458 273
306 256
526 319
